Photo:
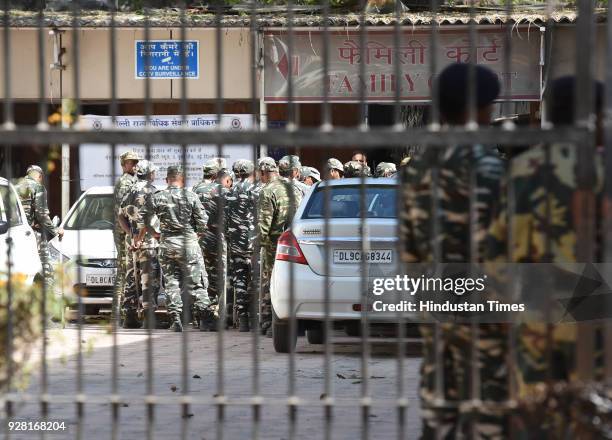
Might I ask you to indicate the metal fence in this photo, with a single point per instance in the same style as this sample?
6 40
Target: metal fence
328 138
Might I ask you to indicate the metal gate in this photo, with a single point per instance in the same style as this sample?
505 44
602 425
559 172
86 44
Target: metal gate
254 405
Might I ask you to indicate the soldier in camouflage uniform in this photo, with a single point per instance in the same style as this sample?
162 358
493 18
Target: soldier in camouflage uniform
128 159
289 168
310 176
181 219
455 167
212 192
385 169
334 169
354 168
33 195
545 178
242 205
278 202
143 270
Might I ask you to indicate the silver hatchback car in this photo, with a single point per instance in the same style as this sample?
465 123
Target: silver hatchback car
300 273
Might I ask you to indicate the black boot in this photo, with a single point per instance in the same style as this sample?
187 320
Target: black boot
244 325
130 319
176 326
204 325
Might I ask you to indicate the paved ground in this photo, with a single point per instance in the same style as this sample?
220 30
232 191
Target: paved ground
202 381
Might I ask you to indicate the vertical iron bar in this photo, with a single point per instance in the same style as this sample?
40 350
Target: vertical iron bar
607 220
9 121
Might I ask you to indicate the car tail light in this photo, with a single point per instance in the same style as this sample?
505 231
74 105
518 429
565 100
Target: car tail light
288 249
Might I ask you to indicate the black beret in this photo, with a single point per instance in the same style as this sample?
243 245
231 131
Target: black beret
453 88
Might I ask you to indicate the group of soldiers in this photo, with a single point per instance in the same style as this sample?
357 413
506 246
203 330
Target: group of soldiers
207 241
456 210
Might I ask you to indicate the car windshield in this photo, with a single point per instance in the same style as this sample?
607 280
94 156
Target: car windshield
13 212
344 202
94 211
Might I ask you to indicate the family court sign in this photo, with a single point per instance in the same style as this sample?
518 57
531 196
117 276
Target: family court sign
344 82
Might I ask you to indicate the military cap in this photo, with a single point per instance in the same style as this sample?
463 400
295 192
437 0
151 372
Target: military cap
289 162
356 169
211 167
174 171
267 164
145 167
334 164
34 168
385 168
311 172
243 166
128 155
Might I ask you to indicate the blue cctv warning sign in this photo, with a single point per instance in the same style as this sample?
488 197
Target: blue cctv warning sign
163 59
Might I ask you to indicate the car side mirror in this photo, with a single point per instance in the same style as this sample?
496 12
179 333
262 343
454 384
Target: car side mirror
4 227
56 221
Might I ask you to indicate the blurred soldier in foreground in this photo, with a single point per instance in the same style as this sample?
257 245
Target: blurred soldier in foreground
128 159
181 220
33 195
455 166
385 169
545 178
310 175
212 192
334 169
242 204
277 204
289 167
356 169
143 272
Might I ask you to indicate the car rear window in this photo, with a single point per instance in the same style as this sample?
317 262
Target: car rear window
93 212
345 202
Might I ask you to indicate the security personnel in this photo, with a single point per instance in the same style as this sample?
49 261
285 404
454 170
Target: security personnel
334 169
33 195
385 169
143 272
181 220
212 192
310 176
459 168
128 159
355 168
278 202
242 204
289 168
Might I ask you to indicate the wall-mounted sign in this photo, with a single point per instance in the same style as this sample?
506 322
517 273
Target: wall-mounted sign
167 59
96 160
344 81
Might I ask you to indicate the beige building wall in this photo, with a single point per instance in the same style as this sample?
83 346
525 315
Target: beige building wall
95 65
25 71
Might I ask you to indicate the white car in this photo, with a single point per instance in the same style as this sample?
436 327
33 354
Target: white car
88 252
15 231
300 257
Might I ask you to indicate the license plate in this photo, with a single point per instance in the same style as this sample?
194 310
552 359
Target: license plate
100 280
348 256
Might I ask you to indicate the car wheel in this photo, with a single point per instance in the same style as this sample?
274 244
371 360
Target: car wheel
281 337
353 329
316 335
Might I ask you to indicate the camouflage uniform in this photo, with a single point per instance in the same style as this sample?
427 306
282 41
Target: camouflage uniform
286 165
33 197
311 172
143 271
242 203
537 186
385 169
276 207
181 218
212 195
356 169
121 187
455 166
